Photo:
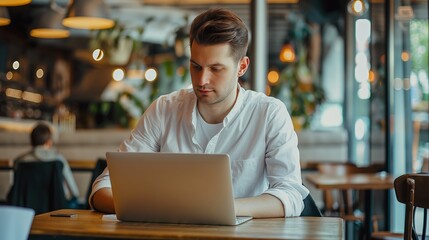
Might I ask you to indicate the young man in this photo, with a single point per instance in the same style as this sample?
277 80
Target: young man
43 150
218 116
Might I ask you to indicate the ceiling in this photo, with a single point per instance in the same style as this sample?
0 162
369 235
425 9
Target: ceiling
160 19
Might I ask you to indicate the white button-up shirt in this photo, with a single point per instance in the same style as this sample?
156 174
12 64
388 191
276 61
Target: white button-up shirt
257 134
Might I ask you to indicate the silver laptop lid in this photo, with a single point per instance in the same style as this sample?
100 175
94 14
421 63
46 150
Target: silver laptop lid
172 187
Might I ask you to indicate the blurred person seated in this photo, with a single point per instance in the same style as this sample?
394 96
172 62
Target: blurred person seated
43 150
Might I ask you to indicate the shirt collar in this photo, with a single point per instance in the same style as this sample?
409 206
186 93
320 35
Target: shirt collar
234 111
194 110
44 153
237 106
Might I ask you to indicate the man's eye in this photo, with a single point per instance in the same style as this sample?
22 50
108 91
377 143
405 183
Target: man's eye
196 67
216 69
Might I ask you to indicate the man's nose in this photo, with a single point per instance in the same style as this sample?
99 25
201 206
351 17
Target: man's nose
204 78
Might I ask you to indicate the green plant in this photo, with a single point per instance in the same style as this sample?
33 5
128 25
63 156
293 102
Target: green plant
301 94
297 86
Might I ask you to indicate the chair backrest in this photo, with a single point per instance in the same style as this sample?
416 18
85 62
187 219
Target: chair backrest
310 208
411 189
339 169
38 185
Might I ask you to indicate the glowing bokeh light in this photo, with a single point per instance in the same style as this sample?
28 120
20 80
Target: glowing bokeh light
97 54
151 74
118 74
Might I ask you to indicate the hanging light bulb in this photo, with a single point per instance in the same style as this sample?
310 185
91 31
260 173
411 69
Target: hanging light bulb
357 7
97 54
287 54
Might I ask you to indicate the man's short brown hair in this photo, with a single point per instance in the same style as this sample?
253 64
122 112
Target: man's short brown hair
217 26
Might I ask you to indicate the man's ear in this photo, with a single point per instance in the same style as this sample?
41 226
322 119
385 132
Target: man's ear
49 143
243 65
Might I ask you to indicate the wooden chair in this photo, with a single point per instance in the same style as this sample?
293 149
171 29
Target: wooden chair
410 189
340 203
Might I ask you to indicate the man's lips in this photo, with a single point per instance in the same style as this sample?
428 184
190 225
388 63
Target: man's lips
204 91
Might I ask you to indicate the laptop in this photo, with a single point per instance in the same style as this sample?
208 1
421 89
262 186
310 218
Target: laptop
186 188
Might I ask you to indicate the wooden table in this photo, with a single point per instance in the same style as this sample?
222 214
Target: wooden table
5 164
361 181
75 164
88 223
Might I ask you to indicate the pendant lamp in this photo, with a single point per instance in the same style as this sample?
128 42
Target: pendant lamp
4 17
13 3
49 24
88 14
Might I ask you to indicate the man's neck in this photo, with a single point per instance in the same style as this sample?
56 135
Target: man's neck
216 113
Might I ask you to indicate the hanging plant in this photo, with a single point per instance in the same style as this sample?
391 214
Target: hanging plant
296 86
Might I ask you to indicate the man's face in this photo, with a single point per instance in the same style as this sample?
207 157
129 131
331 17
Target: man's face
215 73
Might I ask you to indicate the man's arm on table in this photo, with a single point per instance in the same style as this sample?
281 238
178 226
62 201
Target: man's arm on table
102 200
262 206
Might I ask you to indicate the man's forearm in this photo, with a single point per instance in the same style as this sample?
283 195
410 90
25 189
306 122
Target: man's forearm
102 201
263 206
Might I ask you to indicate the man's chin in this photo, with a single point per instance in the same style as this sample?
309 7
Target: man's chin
204 99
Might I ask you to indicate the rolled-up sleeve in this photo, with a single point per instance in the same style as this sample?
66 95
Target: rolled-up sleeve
102 181
141 139
282 161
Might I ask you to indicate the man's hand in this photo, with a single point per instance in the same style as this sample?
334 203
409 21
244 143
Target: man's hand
102 201
262 206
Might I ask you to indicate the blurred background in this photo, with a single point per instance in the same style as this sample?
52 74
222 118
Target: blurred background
353 74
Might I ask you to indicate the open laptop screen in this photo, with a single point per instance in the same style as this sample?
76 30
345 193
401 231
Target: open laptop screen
172 187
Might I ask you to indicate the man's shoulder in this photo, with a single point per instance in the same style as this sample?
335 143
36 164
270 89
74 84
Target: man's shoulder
26 156
253 98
